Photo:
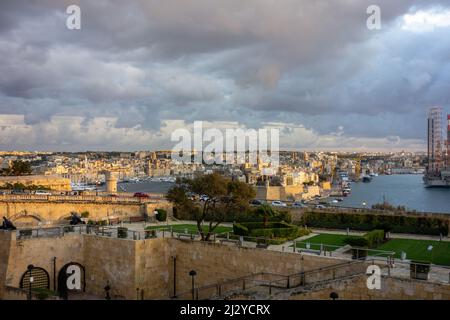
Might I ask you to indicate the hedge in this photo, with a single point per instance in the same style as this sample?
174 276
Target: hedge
357 241
370 239
279 230
162 215
366 222
240 230
374 237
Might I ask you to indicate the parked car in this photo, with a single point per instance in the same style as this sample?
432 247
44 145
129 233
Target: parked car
298 204
42 193
320 206
204 197
18 191
2 192
140 195
278 204
255 202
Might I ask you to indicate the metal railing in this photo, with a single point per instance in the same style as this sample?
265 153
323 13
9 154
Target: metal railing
391 265
77 198
267 283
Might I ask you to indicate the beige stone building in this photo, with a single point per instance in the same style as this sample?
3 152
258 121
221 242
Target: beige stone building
53 182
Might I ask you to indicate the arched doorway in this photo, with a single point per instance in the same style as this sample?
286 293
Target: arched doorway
76 273
24 219
41 279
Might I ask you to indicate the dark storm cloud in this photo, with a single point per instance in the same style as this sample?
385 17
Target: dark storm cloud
312 63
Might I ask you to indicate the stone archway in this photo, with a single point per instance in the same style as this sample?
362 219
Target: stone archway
63 276
23 218
41 279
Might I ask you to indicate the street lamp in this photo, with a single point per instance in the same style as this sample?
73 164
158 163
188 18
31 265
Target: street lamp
193 273
107 288
334 295
30 268
430 248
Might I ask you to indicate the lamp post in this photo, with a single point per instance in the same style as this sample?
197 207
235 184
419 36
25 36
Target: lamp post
193 273
155 214
334 295
107 288
30 268
430 249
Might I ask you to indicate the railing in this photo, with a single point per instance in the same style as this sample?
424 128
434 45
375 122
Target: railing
392 266
269 283
76 198
102 231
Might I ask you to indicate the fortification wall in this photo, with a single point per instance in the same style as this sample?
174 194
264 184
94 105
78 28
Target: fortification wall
145 268
53 212
391 288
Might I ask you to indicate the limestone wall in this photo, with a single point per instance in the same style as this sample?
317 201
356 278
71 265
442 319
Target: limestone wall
33 212
40 253
145 268
5 245
215 262
391 288
55 183
109 261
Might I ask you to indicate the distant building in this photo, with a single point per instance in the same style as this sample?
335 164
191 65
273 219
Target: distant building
435 140
53 182
448 141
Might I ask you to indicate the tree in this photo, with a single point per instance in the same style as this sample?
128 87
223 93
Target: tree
17 168
210 199
266 212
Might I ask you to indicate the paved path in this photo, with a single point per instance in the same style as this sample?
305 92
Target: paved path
392 235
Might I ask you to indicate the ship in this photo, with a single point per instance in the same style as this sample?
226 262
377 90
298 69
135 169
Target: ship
440 179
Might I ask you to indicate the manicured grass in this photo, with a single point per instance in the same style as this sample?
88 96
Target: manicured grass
328 240
191 228
417 250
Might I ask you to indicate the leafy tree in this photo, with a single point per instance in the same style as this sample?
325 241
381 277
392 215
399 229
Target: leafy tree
210 199
266 212
17 168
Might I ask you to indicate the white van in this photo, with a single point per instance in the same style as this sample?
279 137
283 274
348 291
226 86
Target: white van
42 193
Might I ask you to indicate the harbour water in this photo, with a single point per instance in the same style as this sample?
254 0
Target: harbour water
146 186
406 190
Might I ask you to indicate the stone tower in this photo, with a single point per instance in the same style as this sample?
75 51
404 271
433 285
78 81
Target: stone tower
111 182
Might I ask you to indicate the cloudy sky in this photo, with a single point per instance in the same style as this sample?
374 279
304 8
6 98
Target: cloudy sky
137 70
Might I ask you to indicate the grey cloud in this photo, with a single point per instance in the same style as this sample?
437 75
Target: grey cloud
306 62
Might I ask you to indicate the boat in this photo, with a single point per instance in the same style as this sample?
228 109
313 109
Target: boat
82 187
442 180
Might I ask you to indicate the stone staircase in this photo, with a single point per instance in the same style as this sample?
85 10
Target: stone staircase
264 286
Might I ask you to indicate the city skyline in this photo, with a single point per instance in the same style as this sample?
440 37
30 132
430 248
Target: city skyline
135 72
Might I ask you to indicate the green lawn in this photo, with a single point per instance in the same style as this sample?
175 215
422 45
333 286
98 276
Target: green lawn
328 240
417 250
191 228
